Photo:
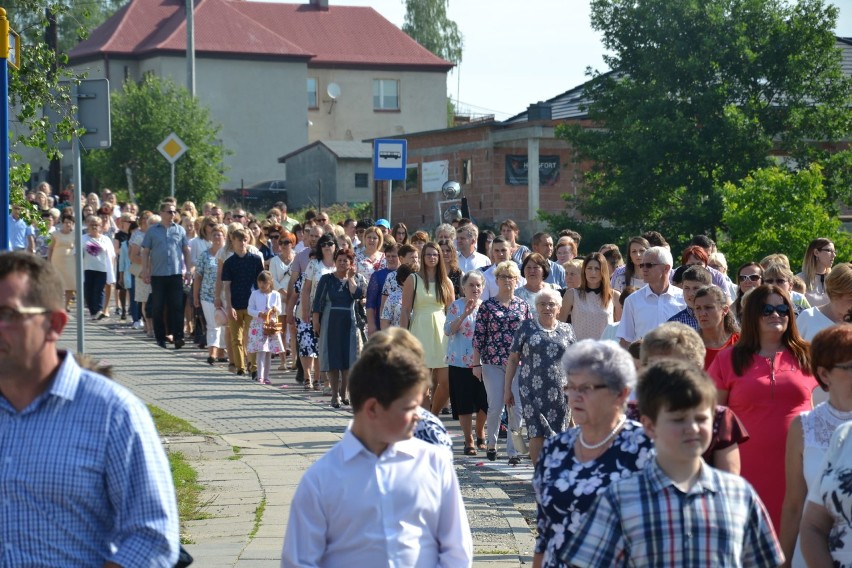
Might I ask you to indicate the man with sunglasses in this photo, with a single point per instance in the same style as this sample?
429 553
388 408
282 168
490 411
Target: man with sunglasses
654 303
85 480
166 263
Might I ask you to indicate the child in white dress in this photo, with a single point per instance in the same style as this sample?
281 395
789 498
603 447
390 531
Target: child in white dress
262 300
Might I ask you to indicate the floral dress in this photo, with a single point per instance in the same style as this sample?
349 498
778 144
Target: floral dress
495 329
833 490
393 305
257 341
541 378
565 487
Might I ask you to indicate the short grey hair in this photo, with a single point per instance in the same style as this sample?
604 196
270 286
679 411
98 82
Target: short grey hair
475 273
660 254
606 359
550 293
446 227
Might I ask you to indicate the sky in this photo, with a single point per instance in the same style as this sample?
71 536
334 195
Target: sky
518 52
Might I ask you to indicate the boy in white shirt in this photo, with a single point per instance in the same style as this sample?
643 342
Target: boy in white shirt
380 497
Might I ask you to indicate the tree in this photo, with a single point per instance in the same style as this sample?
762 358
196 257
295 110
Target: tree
774 210
74 18
427 23
701 92
142 116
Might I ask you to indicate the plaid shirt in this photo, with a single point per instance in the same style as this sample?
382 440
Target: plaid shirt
644 520
686 316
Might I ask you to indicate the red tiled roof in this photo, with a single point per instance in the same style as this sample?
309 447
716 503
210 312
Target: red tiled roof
338 36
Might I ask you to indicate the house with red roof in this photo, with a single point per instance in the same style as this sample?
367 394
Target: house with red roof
277 77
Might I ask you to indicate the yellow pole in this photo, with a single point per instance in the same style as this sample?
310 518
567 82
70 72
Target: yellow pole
4 35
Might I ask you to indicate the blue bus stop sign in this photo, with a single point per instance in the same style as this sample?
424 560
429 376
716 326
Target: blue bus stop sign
389 158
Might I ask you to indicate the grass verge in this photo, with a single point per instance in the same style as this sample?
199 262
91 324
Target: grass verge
185 477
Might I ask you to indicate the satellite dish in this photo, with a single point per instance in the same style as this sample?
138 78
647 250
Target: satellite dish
451 189
333 90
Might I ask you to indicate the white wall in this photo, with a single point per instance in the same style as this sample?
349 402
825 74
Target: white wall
423 104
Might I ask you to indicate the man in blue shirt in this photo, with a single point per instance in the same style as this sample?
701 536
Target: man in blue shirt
85 480
21 233
165 265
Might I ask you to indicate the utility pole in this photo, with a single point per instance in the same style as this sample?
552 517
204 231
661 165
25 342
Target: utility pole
190 47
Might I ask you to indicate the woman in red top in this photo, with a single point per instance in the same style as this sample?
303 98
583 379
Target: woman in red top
764 379
718 328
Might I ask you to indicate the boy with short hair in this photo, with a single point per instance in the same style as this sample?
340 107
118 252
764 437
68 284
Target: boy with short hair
380 497
678 511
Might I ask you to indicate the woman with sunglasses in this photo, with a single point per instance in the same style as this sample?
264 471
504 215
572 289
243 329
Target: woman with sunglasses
322 263
749 277
815 267
765 379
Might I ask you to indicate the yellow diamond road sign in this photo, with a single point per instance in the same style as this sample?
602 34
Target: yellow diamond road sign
172 148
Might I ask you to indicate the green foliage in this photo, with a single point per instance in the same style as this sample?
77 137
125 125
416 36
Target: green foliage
427 23
773 210
74 19
702 92
338 212
142 116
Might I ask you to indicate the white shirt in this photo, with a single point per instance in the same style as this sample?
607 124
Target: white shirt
401 509
472 262
644 310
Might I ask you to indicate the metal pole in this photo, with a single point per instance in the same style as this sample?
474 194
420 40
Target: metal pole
78 235
190 49
390 189
5 244
173 179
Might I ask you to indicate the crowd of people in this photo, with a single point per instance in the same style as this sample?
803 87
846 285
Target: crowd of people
646 392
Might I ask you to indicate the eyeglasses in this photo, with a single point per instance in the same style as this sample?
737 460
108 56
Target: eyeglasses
169 211
547 304
583 390
752 277
235 216
9 315
325 245
828 250
505 277
321 221
275 237
774 280
648 265
783 310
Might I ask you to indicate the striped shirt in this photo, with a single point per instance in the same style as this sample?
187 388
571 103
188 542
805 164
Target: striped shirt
84 478
644 520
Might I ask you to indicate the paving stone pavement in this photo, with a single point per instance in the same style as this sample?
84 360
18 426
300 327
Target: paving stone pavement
260 439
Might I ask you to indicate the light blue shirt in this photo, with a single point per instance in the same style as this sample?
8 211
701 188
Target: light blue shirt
166 246
18 232
556 276
84 478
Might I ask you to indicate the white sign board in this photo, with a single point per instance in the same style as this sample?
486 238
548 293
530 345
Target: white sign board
172 148
435 174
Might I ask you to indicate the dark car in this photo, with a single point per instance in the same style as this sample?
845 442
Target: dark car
257 197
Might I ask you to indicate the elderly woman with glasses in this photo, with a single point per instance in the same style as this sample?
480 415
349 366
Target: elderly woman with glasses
765 379
498 319
580 463
539 345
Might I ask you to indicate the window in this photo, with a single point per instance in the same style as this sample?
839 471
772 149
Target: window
313 99
362 180
385 94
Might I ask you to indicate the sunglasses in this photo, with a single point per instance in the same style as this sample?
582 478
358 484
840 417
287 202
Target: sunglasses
752 277
237 216
276 237
324 245
783 310
648 265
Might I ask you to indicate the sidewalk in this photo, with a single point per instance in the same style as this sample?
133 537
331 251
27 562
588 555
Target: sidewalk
261 439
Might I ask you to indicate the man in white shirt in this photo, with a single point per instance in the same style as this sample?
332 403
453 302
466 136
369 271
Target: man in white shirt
654 303
469 259
380 497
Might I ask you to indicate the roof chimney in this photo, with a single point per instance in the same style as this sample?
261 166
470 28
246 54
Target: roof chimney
320 5
540 111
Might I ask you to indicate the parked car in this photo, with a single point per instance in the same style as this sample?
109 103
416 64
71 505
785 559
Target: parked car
257 197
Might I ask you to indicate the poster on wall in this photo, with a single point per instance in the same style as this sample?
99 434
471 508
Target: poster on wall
517 174
435 174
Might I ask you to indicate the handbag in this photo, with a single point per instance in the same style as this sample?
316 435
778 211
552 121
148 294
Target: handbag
413 297
518 438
